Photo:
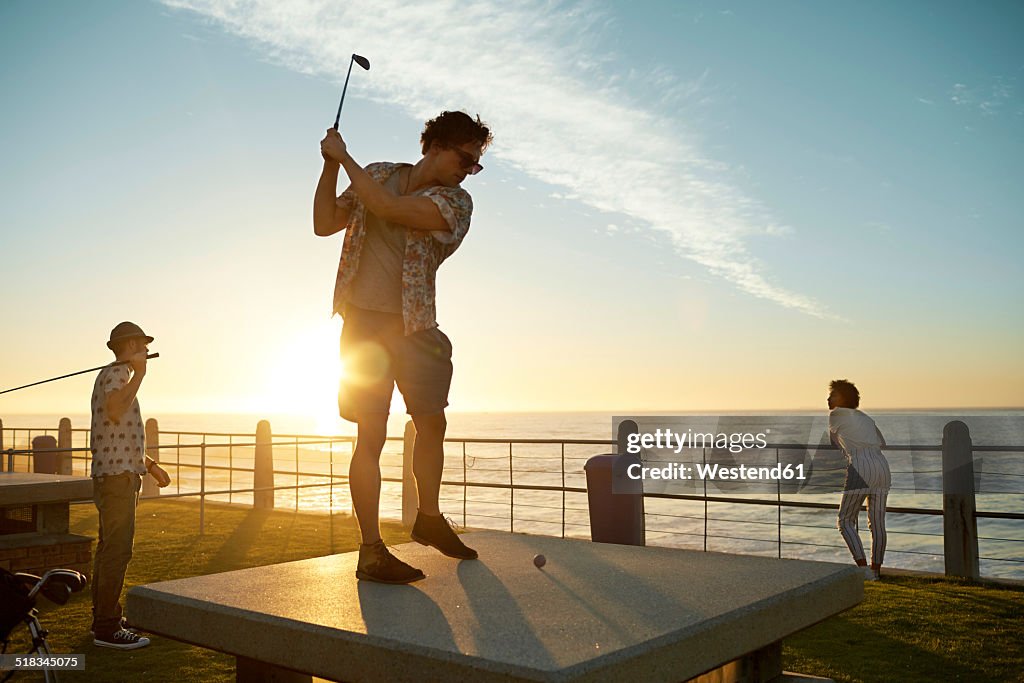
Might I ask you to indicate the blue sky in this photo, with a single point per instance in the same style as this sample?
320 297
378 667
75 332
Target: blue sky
688 205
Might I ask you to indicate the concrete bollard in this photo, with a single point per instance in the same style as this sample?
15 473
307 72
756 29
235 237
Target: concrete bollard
149 487
65 461
960 525
410 499
263 476
616 502
45 463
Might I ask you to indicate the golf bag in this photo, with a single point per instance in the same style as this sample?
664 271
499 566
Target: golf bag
14 603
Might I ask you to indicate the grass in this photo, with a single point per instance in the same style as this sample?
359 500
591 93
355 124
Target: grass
907 629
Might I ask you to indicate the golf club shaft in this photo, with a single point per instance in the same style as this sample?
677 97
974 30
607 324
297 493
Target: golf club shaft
344 88
72 374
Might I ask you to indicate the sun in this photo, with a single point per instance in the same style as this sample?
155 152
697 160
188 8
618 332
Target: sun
303 380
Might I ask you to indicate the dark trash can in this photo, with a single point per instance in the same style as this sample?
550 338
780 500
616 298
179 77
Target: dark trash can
616 502
45 463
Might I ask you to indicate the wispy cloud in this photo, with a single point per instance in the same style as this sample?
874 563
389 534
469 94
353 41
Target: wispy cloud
989 98
541 74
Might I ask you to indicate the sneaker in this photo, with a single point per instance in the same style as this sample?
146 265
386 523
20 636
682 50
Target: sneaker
870 574
92 629
376 563
438 532
121 639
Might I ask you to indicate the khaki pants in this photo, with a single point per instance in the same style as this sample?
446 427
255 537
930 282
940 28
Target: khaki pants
116 497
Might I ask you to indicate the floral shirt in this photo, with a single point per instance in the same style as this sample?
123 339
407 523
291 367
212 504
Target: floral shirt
425 250
117 446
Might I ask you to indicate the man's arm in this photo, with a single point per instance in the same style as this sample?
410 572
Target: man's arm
119 400
418 213
329 215
157 472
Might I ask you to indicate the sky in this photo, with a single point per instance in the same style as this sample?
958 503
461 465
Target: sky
700 206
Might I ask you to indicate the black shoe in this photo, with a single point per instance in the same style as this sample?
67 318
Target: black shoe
376 563
121 639
438 532
92 629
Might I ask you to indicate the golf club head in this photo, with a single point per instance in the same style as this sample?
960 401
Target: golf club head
361 61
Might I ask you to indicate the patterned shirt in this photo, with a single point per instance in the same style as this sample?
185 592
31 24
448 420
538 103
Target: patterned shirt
117 446
425 250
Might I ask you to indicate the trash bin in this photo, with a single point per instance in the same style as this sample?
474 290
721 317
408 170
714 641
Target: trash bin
616 502
45 463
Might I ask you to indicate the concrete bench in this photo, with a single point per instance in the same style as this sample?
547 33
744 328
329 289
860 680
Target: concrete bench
35 522
595 612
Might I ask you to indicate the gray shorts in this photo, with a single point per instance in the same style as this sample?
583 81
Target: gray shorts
376 355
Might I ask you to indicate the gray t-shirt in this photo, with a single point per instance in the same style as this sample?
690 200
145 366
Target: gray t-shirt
378 283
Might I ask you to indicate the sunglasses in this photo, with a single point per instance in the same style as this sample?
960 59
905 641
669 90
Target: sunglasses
469 164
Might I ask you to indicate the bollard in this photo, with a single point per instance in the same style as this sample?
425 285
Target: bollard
65 460
410 499
45 463
960 525
616 502
263 476
149 487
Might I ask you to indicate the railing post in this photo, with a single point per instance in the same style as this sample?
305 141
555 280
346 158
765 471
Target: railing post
410 500
202 487
960 526
65 461
263 474
149 487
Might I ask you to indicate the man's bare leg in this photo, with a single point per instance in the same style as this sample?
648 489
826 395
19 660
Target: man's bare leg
364 475
428 460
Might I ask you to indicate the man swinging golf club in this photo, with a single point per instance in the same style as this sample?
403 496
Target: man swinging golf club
401 221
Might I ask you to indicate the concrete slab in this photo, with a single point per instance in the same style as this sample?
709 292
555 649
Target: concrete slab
595 612
28 488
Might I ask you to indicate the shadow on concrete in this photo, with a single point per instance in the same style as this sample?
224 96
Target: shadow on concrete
503 633
404 613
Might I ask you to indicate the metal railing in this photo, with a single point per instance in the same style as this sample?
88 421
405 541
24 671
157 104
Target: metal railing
557 513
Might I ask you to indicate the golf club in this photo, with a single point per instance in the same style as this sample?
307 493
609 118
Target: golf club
80 372
361 61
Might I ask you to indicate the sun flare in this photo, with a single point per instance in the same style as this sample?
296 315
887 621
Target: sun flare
304 379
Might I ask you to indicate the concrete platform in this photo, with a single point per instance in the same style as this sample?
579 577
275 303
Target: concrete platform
28 488
595 612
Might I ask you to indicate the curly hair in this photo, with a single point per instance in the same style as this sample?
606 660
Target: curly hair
849 392
453 128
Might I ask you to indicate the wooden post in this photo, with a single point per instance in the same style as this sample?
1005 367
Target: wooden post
263 476
410 499
149 487
65 461
960 526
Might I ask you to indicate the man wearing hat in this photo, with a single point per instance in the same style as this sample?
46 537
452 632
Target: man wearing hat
119 461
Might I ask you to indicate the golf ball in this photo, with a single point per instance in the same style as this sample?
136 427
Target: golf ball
539 561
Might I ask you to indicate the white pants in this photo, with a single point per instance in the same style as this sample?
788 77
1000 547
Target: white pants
849 510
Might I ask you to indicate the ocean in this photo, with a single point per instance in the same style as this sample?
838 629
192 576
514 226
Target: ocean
914 540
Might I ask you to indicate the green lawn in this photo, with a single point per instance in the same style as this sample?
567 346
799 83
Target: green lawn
907 629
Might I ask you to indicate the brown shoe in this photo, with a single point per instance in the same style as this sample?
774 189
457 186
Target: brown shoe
438 532
376 563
